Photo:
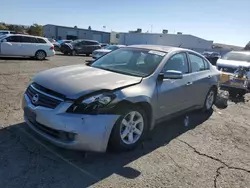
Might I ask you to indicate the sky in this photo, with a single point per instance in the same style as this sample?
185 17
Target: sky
223 21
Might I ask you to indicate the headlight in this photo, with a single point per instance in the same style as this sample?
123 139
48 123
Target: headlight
92 104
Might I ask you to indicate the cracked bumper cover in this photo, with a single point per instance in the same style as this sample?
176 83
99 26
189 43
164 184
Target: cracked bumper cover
91 132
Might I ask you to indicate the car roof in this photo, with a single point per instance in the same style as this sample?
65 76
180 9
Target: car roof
160 48
241 52
23 35
87 40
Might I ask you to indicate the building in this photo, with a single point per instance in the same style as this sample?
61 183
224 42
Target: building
177 40
72 33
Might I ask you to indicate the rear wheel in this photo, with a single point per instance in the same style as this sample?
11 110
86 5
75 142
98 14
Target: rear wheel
40 55
129 129
73 53
210 99
88 54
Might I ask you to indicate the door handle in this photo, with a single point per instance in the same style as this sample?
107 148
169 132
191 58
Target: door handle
189 83
209 76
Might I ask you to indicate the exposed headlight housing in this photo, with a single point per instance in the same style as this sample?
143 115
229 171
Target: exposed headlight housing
92 105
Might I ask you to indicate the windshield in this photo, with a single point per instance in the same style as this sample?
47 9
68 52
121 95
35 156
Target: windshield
111 47
2 36
130 61
237 56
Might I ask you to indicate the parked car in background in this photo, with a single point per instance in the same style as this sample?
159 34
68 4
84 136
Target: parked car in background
80 46
212 56
51 40
25 45
118 98
104 44
58 44
235 66
100 52
5 32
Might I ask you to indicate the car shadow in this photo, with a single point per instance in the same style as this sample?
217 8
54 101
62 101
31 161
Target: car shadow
20 59
100 165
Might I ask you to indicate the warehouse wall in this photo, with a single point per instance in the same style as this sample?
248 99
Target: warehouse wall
52 31
186 41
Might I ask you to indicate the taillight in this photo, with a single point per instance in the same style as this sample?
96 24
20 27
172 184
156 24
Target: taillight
51 48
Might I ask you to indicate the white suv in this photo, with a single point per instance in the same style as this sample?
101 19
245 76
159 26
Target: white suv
26 45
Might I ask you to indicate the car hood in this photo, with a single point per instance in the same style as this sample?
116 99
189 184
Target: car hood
232 64
78 80
102 51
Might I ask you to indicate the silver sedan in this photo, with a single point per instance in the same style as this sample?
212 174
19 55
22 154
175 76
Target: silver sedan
117 99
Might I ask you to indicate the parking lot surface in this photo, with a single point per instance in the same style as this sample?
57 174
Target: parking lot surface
212 151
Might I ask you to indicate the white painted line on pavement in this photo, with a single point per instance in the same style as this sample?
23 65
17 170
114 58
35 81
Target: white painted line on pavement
58 155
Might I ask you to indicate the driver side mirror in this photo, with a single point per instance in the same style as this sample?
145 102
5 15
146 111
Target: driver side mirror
4 40
171 74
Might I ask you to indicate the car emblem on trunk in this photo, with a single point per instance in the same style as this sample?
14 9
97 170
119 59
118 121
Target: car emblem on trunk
35 98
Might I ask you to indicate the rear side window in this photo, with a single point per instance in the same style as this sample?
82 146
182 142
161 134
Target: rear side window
39 40
14 39
29 40
197 63
91 43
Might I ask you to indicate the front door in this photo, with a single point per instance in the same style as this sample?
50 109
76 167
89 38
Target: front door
174 94
12 46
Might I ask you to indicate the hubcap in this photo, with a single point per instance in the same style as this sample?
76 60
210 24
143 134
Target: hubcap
40 55
131 127
210 100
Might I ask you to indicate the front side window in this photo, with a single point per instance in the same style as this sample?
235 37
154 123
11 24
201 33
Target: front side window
177 62
130 61
197 63
13 39
235 56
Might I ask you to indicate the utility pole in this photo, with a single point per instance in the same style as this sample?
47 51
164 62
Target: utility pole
151 28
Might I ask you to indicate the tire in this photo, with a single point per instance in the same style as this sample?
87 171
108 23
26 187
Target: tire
119 143
65 53
210 100
88 54
73 53
40 55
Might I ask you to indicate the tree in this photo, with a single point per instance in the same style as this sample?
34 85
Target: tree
36 30
3 27
16 28
89 28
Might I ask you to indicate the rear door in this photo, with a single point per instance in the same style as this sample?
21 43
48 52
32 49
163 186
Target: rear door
12 46
174 94
29 45
200 78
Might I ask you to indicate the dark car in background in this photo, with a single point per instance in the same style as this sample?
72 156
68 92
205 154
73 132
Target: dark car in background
58 44
80 46
212 56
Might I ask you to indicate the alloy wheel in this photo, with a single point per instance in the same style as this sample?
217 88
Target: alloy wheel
40 55
131 128
210 99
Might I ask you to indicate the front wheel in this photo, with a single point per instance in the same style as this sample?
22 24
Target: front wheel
210 99
129 129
